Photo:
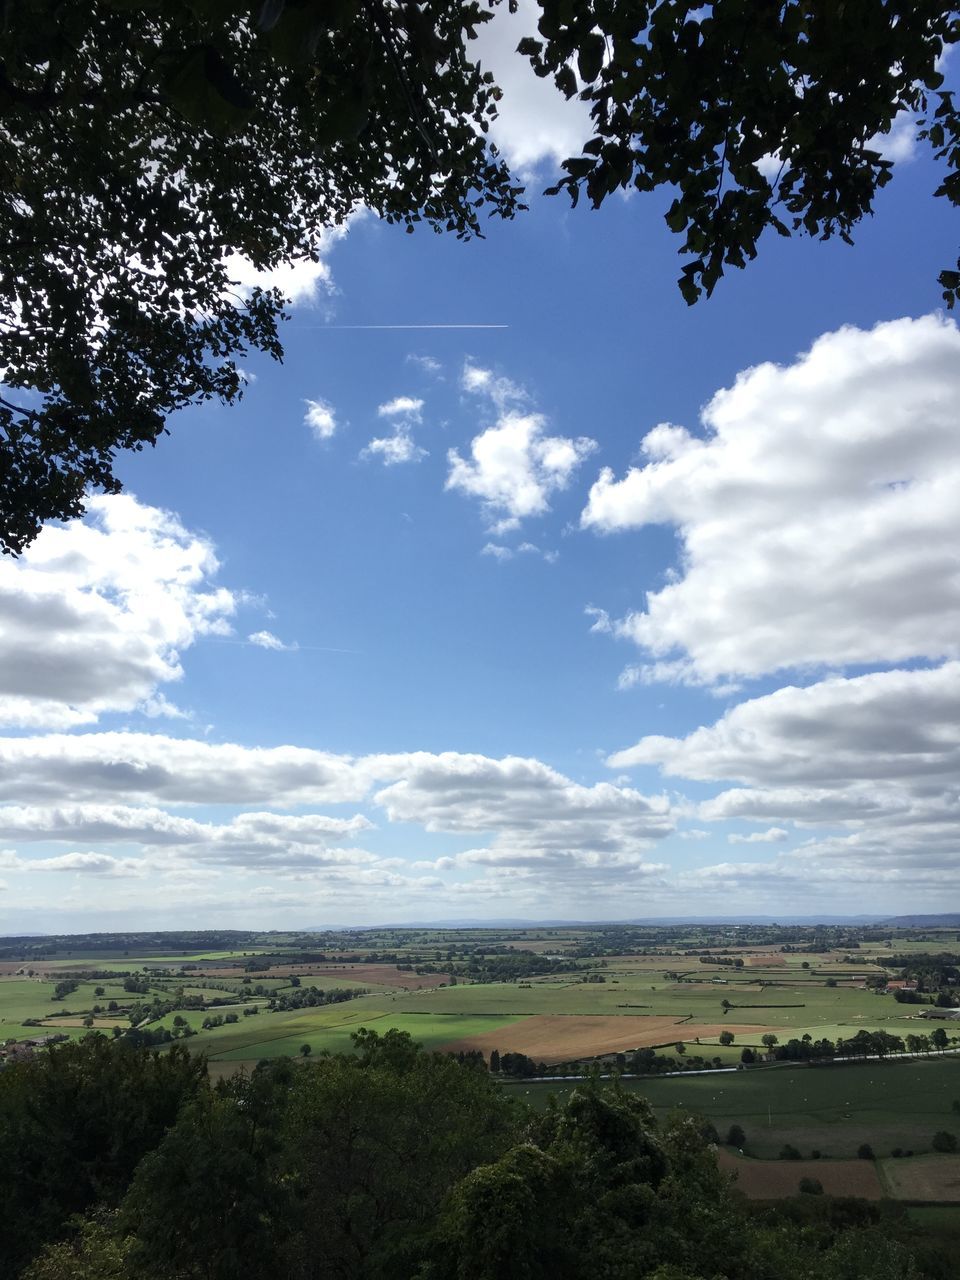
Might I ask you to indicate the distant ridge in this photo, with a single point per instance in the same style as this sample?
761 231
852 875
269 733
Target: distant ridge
508 922
951 920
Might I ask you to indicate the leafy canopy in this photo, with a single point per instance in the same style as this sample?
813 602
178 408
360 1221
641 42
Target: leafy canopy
143 146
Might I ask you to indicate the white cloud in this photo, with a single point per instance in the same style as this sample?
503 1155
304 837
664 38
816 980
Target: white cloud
98 864
543 824
267 640
887 727
900 144
154 768
536 123
872 761
426 363
819 515
514 467
302 282
500 552
402 406
773 835
321 418
394 450
95 614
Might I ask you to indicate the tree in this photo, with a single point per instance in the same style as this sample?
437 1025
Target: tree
696 99
736 1136
769 1039
726 1037
943 1141
865 1151
494 1060
305 1051
811 1186
939 1039
140 156
747 1056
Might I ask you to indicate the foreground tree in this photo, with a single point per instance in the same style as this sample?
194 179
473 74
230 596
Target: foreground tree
144 147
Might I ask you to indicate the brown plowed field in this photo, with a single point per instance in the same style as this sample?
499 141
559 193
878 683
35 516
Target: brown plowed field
930 1177
767 962
563 1037
778 1179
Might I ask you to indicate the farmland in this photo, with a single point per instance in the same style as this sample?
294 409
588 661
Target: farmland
554 999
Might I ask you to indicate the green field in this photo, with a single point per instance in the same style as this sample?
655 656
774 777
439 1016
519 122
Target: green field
330 1029
831 1109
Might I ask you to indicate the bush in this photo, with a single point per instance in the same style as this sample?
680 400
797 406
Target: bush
811 1186
865 1151
790 1152
945 1142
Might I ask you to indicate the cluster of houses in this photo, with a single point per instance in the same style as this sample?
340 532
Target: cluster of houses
16 1050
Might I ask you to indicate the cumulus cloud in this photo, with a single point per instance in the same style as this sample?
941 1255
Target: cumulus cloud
95 614
405 412
514 466
427 364
501 553
544 826
402 407
536 123
96 864
155 768
872 761
302 282
838 475
394 450
267 640
321 418
773 835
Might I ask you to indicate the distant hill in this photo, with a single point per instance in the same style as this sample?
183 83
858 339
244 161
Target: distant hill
950 920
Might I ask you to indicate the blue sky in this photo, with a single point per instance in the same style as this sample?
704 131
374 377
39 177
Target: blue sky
521 657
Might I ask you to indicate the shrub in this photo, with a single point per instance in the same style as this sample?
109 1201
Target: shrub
789 1152
945 1142
865 1151
811 1186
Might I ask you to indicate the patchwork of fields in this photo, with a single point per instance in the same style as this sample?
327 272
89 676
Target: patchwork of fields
568 1009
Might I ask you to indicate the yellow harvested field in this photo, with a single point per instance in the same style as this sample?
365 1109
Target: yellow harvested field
931 1177
778 1179
554 1038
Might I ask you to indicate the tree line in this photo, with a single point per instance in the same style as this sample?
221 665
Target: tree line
388 1164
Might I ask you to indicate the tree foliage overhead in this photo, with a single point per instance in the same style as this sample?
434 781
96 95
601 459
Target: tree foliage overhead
144 144
760 115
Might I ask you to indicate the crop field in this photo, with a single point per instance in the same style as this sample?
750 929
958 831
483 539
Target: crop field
553 1038
831 1109
929 1177
330 1029
778 1179
558 996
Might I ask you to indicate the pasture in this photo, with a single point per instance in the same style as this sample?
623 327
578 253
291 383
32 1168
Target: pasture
832 1109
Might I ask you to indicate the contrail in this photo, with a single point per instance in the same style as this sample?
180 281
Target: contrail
409 326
